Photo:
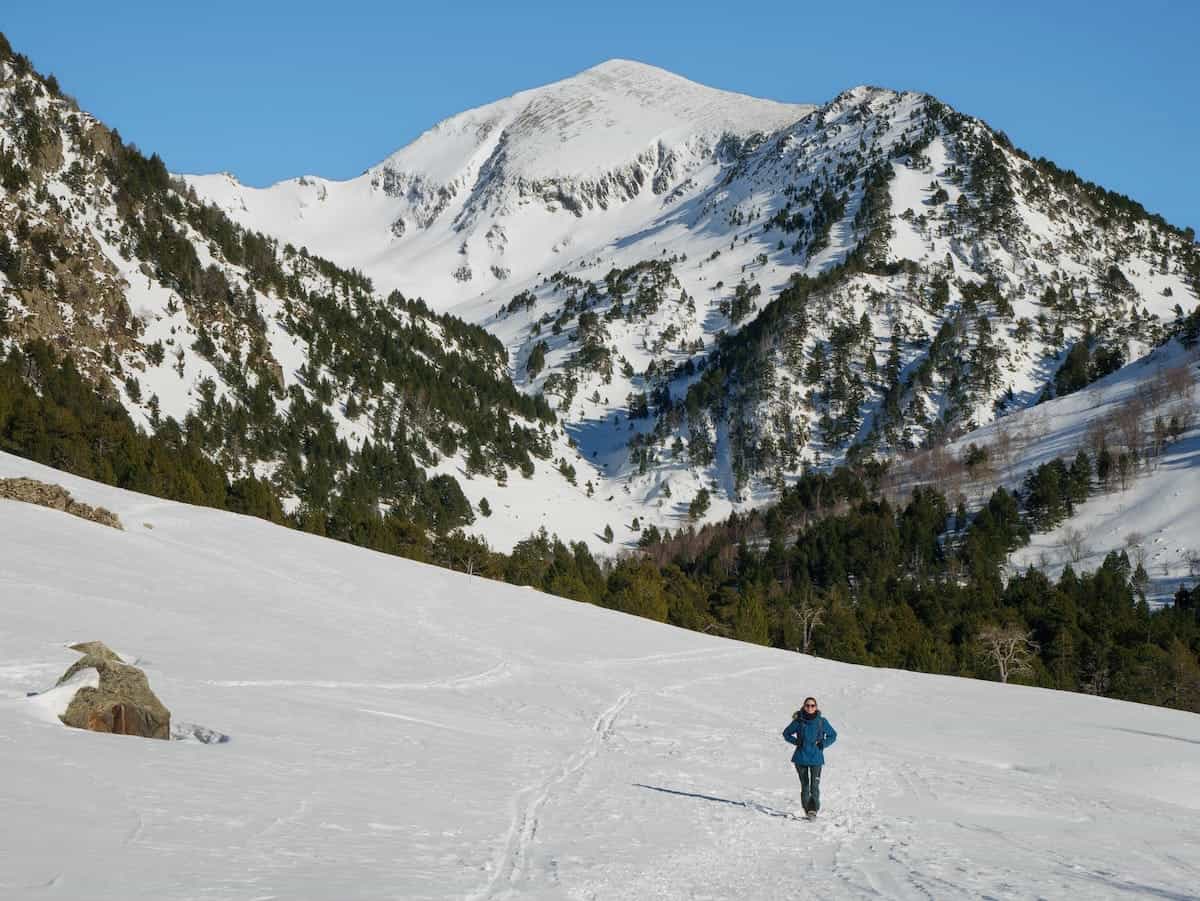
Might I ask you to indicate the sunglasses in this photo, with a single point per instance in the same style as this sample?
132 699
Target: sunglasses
810 704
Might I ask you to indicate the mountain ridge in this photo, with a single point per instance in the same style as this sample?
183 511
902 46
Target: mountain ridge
611 79
840 207
874 276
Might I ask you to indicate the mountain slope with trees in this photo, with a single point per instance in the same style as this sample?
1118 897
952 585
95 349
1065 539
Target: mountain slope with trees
876 277
129 306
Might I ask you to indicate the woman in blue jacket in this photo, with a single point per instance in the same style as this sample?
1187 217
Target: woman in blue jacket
811 734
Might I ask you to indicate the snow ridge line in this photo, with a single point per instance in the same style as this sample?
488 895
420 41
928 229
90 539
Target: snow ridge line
525 823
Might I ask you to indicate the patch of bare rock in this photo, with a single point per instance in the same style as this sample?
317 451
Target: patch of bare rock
56 497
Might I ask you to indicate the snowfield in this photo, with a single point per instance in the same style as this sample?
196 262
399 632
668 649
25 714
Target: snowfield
1154 517
400 731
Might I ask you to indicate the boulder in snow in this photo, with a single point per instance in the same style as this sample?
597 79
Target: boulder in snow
121 702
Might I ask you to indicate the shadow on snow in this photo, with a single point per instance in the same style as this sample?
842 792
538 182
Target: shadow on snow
749 805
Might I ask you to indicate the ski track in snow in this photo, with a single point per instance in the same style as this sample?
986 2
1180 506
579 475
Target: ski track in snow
515 857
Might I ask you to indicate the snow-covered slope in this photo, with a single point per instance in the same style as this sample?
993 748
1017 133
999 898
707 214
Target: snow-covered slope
1152 515
283 364
403 731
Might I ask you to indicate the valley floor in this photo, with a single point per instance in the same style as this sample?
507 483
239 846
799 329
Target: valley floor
400 731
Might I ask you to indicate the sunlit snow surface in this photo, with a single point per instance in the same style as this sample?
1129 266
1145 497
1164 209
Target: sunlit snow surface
399 731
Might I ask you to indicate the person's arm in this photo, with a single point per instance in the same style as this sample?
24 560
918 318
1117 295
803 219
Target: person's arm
830 734
789 734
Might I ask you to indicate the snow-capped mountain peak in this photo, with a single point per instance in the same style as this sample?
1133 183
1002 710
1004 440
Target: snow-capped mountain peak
588 143
594 121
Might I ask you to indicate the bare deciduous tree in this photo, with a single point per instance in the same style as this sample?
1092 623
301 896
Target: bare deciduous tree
1037 428
1009 649
1153 391
1179 382
1097 435
1180 418
944 468
810 614
1128 422
1096 680
1074 542
727 559
1125 463
1159 441
1004 445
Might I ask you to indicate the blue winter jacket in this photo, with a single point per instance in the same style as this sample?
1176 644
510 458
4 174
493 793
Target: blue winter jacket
811 735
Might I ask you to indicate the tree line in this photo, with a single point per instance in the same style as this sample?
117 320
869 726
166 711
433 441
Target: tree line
832 568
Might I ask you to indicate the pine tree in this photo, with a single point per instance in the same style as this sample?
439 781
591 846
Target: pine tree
750 617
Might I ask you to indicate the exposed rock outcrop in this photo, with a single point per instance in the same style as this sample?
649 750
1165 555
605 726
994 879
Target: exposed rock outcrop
122 703
56 497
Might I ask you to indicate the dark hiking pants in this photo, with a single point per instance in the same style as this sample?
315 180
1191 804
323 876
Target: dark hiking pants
810 786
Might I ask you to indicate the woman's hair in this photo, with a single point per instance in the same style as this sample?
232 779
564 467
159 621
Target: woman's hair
799 713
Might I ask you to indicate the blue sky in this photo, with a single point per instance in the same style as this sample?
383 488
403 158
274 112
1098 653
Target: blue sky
269 90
